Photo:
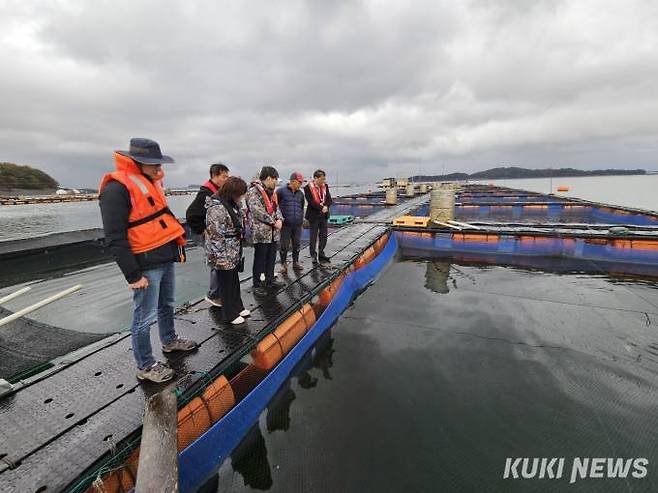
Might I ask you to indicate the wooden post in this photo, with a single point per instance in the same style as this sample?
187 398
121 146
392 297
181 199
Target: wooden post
392 196
36 306
13 295
158 452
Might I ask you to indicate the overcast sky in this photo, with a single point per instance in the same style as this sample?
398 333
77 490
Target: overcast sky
363 89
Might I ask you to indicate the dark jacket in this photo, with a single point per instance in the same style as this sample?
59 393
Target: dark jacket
195 215
291 205
313 209
115 207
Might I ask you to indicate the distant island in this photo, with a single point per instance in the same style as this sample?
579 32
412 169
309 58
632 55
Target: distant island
515 172
17 177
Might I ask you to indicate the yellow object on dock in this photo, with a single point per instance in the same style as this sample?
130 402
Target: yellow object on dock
415 221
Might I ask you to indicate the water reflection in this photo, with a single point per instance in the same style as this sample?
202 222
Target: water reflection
250 459
253 466
323 359
278 410
437 274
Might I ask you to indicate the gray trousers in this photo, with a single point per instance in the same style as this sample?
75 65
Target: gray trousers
290 234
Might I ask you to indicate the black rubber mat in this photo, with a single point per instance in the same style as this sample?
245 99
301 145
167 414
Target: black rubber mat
55 429
25 343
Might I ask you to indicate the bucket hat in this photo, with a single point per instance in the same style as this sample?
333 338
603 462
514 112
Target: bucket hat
146 151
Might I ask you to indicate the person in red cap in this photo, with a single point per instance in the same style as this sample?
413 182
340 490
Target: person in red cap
291 203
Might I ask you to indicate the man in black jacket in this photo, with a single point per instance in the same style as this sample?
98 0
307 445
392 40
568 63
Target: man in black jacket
145 239
196 219
291 203
318 199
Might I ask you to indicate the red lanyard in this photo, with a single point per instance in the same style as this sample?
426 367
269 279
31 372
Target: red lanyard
319 194
270 204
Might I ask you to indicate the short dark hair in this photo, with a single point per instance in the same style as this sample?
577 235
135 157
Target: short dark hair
318 173
218 169
268 172
232 188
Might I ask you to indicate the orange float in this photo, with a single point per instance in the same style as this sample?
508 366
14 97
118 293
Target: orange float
273 347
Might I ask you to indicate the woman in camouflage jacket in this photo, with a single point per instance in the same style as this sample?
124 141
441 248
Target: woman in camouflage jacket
223 245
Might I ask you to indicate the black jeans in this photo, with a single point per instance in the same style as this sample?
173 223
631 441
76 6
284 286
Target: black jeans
288 234
264 260
318 228
231 298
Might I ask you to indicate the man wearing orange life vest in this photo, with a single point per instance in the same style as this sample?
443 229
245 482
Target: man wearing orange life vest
318 199
146 239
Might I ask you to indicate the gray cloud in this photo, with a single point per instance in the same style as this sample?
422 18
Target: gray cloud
362 89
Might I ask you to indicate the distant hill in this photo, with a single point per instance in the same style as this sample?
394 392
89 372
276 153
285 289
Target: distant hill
14 176
514 172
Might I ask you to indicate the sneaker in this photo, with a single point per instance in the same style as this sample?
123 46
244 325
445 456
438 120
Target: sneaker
259 290
298 266
157 373
275 285
324 259
179 344
314 260
214 301
245 313
237 321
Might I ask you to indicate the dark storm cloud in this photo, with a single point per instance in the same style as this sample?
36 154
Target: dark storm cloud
363 89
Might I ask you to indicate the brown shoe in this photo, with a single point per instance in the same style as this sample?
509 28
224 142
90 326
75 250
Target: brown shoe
157 373
298 266
284 268
179 344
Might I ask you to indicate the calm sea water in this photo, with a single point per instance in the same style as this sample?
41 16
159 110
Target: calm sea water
433 390
23 221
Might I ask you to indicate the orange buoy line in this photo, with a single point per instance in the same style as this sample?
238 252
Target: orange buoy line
220 395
